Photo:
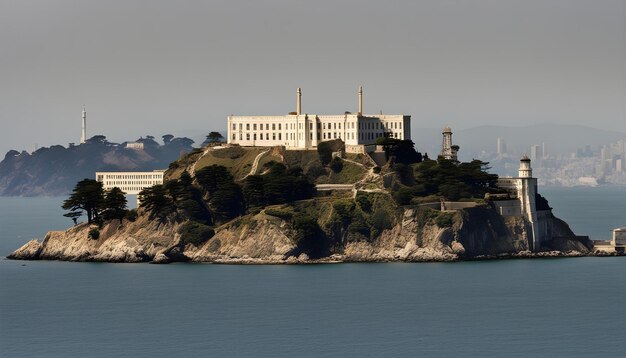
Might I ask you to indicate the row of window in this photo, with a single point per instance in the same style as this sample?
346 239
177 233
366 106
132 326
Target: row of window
323 136
334 125
133 176
133 182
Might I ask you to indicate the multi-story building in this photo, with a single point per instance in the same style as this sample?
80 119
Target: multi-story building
130 182
299 130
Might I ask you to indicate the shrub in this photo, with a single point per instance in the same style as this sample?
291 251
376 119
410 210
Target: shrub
380 220
364 202
403 195
94 233
283 213
131 215
444 220
336 165
195 233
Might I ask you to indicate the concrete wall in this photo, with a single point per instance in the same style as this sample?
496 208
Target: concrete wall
508 207
457 205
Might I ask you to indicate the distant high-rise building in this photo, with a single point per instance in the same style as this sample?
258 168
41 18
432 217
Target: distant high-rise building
619 165
536 152
604 153
500 146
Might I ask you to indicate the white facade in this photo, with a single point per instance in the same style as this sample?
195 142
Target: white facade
135 145
130 182
305 131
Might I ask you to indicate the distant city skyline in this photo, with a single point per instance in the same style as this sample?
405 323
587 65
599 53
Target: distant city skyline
157 67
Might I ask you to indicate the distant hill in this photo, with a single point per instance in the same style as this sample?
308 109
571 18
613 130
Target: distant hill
559 139
54 170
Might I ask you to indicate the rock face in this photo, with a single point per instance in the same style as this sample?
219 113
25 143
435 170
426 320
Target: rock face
472 233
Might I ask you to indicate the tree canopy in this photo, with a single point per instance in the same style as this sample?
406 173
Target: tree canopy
88 195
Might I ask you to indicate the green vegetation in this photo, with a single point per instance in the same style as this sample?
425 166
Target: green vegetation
400 151
444 220
283 213
94 233
443 179
87 195
278 185
195 233
114 205
325 149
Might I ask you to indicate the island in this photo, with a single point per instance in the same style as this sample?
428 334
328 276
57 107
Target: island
227 203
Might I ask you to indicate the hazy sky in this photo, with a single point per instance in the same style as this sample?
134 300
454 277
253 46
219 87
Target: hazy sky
180 67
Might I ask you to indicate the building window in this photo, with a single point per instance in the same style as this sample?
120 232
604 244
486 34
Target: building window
240 136
278 126
254 136
240 127
247 126
247 136
261 135
233 136
339 125
273 126
234 126
254 126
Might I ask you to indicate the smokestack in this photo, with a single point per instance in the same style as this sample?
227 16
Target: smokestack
299 103
360 100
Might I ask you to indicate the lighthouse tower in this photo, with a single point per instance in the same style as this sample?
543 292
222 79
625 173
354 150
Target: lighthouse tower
83 136
526 192
449 151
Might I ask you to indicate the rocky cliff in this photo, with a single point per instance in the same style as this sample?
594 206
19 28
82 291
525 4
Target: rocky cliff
417 234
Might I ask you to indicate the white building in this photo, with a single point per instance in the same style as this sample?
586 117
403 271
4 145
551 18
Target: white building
134 145
130 182
299 130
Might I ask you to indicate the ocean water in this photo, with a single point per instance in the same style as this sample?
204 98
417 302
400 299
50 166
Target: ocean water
515 308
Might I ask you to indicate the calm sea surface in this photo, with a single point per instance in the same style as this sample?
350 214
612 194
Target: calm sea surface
517 308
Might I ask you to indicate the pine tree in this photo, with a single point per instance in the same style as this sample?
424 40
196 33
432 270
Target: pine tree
88 195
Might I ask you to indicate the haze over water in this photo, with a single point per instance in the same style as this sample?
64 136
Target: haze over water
550 307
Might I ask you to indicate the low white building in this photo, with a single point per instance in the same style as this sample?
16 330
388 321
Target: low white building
134 145
130 183
304 131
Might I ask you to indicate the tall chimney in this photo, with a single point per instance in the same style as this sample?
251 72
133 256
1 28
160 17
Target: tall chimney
299 103
360 100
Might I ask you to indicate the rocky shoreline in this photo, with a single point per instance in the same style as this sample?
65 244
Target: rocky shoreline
475 234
